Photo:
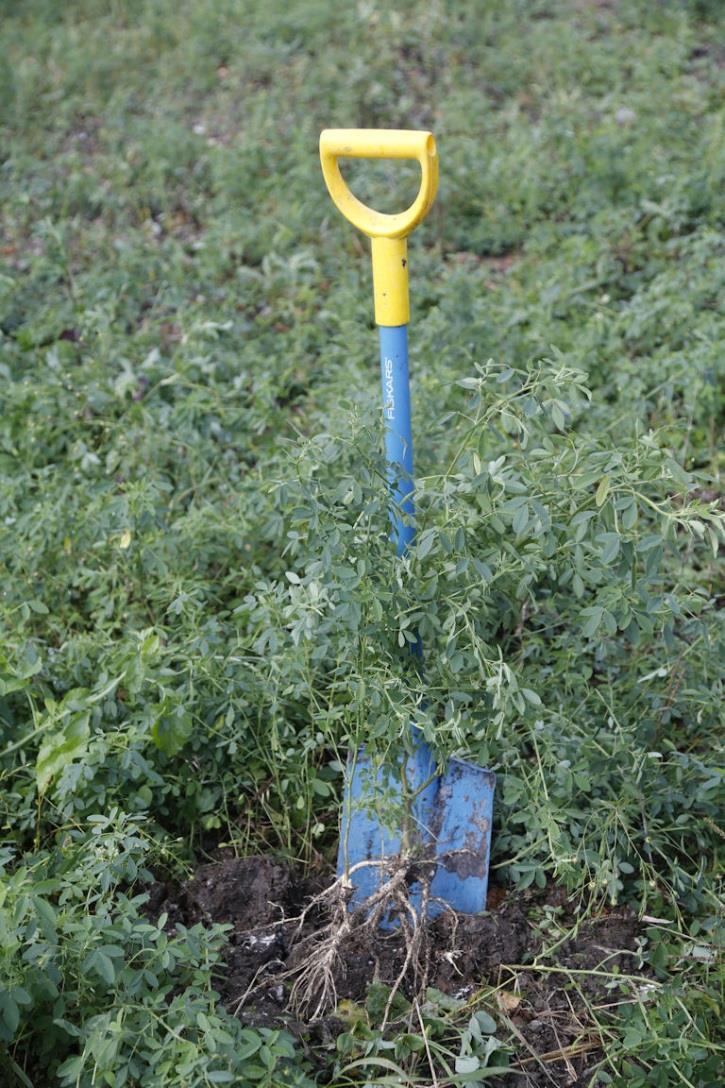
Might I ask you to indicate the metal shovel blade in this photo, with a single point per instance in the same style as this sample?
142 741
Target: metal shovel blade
462 821
371 809
451 818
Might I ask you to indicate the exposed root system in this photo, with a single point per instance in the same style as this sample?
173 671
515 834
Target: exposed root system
317 957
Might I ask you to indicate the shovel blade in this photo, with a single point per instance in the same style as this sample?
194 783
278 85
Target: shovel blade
367 836
451 816
462 819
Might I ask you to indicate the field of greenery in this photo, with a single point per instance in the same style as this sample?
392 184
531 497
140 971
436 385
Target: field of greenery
200 611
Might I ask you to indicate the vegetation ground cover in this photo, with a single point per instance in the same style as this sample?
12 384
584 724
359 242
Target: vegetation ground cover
199 607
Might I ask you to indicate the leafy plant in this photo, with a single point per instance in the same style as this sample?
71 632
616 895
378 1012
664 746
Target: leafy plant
96 992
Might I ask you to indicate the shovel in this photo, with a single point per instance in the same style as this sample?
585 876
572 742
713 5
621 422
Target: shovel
449 814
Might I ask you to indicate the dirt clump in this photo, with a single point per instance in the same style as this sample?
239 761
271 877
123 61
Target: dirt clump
246 892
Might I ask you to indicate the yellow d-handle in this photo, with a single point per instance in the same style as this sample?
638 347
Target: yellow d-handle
388 232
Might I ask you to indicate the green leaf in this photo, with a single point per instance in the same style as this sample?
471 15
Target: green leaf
678 474
425 542
580 523
610 546
10 1013
255 1072
171 730
484 570
71 1068
602 491
484 1073
485 1022
714 542
71 1029
410 1042
61 748
609 622
102 964
629 515
595 618
46 916
250 1046
113 950
365 1063
558 416
521 520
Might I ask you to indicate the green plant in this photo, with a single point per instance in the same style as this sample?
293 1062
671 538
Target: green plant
97 992
435 1038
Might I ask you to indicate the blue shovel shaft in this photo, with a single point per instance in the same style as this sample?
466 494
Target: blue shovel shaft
398 431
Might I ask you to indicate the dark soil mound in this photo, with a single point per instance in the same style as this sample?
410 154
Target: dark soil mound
544 1005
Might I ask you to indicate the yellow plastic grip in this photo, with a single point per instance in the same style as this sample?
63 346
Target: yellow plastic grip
387 231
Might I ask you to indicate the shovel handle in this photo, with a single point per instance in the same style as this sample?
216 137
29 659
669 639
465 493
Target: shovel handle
373 143
387 231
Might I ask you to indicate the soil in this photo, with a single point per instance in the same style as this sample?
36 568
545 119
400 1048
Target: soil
544 1010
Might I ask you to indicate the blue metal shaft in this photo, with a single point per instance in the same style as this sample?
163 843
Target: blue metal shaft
398 430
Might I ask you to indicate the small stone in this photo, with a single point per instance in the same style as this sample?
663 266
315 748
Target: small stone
625 116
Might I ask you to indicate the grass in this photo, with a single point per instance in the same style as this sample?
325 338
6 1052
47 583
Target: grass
199 609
